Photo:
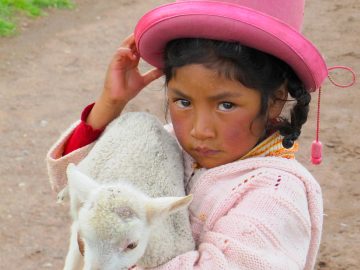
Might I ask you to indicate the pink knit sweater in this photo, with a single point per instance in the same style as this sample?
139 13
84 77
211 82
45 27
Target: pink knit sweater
257 213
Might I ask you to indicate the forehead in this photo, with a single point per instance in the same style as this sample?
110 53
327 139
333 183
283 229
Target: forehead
112 214
200 80
191 74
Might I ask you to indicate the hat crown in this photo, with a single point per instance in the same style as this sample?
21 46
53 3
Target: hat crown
270 26
290 12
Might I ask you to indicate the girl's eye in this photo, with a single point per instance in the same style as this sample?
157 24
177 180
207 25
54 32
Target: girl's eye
183 103
226 106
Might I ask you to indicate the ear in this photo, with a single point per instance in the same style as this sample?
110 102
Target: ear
277 102
163 206
79 183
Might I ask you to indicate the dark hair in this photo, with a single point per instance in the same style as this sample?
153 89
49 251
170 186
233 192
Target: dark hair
253 68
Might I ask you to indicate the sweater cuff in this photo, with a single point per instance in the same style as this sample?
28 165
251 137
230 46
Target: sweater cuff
83 134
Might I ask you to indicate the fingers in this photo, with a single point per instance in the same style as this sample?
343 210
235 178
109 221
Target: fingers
128 51
122 52
128 41
152 75
128 48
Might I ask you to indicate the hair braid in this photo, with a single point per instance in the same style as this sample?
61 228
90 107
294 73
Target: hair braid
292 130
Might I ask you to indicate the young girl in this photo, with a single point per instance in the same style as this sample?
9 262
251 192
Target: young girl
255 206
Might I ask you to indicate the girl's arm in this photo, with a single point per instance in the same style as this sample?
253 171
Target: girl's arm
83 134
123 82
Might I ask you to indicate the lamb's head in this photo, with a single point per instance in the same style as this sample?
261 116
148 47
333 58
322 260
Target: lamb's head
115 220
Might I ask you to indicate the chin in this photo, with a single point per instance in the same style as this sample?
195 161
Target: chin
209 164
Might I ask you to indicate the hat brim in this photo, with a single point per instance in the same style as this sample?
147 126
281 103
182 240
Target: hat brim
229 22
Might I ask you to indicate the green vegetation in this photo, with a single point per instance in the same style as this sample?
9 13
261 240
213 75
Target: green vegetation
9 9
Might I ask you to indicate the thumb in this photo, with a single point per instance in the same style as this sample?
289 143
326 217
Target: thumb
152 75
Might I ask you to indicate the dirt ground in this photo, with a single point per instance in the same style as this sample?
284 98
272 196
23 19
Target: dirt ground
56 66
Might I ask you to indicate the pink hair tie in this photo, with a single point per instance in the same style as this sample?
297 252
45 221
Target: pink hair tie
316 147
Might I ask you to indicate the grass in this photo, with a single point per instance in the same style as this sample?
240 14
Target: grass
10 9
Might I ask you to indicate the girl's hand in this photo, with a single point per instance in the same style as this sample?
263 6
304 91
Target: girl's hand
123 79
123 82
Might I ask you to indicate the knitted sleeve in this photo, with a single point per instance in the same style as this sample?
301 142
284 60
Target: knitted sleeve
57 162
268 227
72 146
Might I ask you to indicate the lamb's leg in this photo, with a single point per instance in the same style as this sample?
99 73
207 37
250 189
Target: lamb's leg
73 258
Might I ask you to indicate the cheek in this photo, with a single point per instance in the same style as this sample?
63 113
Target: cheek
180 125
236 135
242 129
233 134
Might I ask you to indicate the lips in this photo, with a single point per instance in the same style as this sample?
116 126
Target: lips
204 151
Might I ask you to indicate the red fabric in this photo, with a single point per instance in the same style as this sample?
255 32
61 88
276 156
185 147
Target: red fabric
83 133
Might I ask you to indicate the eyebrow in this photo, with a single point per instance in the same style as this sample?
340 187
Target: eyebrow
220 96
225 95
179 93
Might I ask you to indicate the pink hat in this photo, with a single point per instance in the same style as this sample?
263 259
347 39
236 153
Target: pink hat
271 26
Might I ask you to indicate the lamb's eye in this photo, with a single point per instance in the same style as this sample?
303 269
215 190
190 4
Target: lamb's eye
131 246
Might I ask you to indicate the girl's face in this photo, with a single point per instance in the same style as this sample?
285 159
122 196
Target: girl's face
215 119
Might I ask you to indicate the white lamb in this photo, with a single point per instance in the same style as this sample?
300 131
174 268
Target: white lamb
124 216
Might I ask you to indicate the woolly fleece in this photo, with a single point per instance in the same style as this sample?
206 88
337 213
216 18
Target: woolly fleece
136 148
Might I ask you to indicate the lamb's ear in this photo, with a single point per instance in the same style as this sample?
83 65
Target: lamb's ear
79 183
163 206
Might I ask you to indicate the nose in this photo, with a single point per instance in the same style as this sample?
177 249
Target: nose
203 126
